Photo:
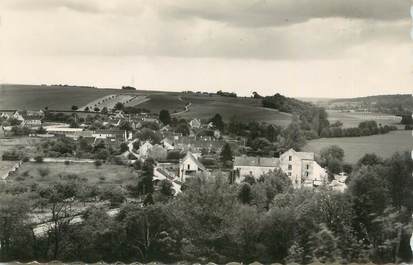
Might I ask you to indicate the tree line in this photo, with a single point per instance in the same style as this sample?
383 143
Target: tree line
263 220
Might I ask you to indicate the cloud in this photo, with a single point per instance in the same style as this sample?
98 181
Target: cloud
270 13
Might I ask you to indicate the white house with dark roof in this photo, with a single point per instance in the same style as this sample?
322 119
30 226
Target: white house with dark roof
255 166
300 167
189 166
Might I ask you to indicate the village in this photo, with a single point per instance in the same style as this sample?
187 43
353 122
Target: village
176 155
110 167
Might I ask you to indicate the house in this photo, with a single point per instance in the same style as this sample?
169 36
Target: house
255 166
119 115
144 149
63 131
111 135
168 144
18 116
4 115
189 166
195 124
160 173
301 168
158 152
166 128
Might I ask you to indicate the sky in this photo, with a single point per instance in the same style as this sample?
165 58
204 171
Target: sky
299 48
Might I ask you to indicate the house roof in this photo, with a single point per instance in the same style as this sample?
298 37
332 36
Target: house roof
306 155
252 161
303 155
189 155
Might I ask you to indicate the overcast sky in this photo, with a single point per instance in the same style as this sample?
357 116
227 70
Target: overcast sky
301 48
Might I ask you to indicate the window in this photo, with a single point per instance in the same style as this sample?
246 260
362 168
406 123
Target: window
289 174
189 167
290 167
306 174
290 158
308 166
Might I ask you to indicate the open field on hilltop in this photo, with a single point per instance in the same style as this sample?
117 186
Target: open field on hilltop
30 173
352 119
157 102
244 109
111 100
384 145
34 97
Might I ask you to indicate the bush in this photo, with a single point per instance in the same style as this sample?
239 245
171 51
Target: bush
98 163
11 156
38 159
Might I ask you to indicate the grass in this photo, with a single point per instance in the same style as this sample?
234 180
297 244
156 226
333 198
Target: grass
384 145
34 97
171 102
30 173
244 109
353 119
27 145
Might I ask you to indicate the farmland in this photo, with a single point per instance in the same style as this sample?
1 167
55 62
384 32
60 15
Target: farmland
246 109
55 97
171 102
355 147
46 173
352 119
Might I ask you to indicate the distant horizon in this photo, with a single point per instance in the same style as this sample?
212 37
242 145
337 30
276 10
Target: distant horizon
193 90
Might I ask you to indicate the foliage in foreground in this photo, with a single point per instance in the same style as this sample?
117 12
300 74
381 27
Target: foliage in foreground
263 220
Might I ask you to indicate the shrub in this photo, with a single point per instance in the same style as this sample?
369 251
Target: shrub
38 159
98 163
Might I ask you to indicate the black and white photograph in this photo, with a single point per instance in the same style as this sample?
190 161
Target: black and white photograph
206 132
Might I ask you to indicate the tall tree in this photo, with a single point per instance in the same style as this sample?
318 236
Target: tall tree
165 117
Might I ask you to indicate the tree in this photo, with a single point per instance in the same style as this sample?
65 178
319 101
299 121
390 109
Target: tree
165 117
325 246
226 153
293 137
333 152
218 122
119 106
15 233
245 194
369 160
370 196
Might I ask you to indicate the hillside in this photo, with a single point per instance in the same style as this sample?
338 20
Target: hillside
390 104
34 97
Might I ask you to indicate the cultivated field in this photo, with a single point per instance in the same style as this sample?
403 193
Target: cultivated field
33 97
244 109
171 102
30 173
384 145
110 101
352 119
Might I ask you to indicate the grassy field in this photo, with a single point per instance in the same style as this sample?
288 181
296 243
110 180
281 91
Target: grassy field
55 97
384 145
24 144
30 173
353 119
171 102
244 109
